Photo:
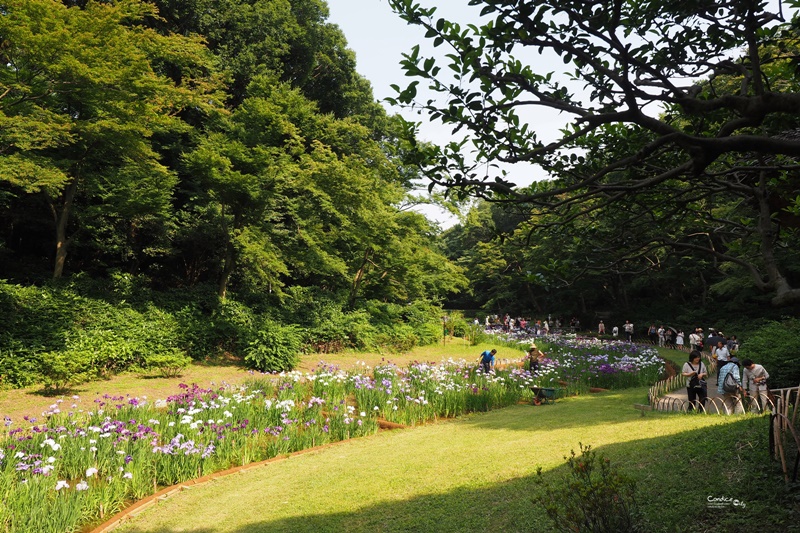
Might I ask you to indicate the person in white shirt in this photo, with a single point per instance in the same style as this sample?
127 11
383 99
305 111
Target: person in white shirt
754 382
696 387
721 355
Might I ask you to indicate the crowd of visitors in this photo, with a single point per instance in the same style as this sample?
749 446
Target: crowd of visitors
735 381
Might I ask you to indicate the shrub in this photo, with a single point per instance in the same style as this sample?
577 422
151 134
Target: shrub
360 330
275 348
169 364
776 345
426 320
62 369
596 498
19 366
327 332
400 338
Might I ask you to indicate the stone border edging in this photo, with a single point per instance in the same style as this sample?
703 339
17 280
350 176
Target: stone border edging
147 502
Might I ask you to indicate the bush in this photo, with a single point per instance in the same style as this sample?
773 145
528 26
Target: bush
397 339
426 320
19 366
275 348
776 345
169 364
595 499
62 369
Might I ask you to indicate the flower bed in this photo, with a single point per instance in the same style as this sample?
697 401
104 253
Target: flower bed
76 467
586 363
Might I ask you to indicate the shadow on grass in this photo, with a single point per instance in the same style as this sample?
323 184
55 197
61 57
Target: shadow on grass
675 475
53 393
613 407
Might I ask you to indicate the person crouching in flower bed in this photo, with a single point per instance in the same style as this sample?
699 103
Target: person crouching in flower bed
487 360
534 356
696 373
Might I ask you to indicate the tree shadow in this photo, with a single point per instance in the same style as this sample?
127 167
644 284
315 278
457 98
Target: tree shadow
567 413
54 392
676 475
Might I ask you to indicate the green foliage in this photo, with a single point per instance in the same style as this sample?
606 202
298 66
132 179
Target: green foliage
399 338
62 369
62 335
274 348
776 345
596 497
168 364
425 318
333 330
19 367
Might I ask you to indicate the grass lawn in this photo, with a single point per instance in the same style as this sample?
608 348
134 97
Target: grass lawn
32 401
478 473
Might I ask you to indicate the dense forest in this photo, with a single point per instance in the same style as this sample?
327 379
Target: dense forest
189 179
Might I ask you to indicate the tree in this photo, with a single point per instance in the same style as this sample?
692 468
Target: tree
80 100
298 197
672 107
289 39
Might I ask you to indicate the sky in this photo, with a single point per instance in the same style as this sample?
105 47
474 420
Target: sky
379 37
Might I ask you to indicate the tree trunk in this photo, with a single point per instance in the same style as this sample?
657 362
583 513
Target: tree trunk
365 262
62 219
227 270
230 257
784 293
623 293
532 296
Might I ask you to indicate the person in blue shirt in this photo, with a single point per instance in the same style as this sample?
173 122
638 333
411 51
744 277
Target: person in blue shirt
487 360
731 400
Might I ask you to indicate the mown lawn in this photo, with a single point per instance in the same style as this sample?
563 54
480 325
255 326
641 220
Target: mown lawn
478 473
32 401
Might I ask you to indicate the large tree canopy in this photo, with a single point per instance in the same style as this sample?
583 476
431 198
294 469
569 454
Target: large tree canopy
679 119
80 97
197 141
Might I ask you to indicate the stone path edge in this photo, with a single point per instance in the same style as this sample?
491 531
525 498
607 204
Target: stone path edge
147 502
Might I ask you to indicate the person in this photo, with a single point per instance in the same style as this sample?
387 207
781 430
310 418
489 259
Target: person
714 337
730 400
628 327
679 340
721 355
696 340
546 327
662 336
733 345
615 332
755 385
487 360
601 328
652 333
534 355
696 386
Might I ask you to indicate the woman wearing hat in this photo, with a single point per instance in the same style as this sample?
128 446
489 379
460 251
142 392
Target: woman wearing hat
533 359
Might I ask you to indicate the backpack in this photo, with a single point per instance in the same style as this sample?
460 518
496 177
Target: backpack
730 384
